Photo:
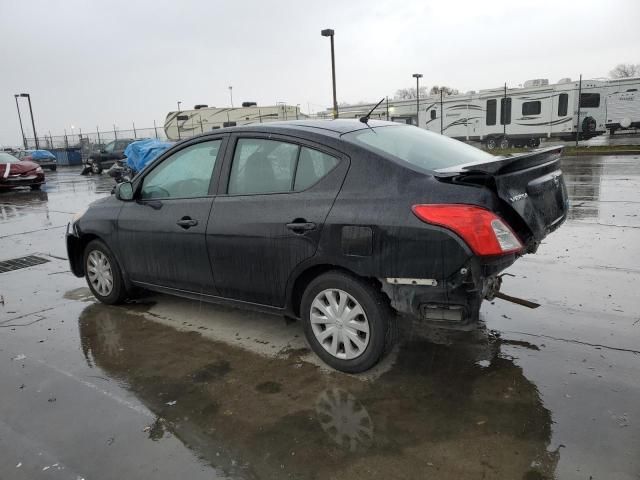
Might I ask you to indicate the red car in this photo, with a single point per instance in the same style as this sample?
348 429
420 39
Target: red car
19 173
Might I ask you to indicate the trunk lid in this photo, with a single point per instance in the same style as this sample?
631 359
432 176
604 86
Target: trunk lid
531 185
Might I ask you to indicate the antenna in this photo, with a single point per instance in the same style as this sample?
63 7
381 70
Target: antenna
365 119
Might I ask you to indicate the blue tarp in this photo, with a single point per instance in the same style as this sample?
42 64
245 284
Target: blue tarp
41 155
140 154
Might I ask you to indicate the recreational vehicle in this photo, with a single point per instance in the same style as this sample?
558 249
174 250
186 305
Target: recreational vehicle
623 104
187 123
504 117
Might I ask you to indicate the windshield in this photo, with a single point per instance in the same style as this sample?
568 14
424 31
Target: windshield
419 147
7 158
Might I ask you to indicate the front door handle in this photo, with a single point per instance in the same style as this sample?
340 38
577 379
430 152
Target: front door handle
187 222
300 227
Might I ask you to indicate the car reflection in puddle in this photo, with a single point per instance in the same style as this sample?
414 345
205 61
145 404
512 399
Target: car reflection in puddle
458 407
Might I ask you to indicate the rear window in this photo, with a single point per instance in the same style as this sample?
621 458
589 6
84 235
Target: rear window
416 146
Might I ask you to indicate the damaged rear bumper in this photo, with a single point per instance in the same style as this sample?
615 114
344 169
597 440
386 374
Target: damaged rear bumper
453 302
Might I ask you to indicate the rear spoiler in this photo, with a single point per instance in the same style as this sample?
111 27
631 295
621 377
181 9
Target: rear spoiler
505 163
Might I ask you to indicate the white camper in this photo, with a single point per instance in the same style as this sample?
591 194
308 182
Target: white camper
187 123
623 104
504 117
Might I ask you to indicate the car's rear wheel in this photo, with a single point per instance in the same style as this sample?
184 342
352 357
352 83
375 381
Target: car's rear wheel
103 273
347 322
504 142
53 168
96 168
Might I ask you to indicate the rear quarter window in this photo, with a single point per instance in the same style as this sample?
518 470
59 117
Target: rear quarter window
418 147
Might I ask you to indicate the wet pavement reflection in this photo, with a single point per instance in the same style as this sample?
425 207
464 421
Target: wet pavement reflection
461 409
168 388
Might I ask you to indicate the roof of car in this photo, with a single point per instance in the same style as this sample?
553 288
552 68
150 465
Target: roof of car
334 128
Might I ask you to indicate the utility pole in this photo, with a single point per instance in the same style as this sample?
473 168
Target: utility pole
327 32
24 139
441 111
387 109
231 94
417 76
579 104
503 113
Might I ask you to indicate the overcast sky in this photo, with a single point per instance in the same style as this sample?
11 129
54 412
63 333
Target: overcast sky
88 63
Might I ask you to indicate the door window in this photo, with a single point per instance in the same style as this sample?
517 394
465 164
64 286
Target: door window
185 174
491 112
109 147
269 166
563 104
262 166
312 166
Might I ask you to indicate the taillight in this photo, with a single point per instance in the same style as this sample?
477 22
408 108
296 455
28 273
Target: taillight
482 230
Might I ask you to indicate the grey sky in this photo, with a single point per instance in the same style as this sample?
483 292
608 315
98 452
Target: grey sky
89 63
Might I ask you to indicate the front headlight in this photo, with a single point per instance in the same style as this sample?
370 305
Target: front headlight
39 170
78 215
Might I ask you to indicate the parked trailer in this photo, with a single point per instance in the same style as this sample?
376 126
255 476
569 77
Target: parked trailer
187 123
623 105
505 117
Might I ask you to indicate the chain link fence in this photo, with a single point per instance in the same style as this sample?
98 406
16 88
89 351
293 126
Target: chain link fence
88 142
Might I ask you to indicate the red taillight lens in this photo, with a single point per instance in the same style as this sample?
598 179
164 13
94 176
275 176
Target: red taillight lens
482 230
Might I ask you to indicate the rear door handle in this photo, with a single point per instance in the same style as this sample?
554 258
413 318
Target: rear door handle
299 227
187 222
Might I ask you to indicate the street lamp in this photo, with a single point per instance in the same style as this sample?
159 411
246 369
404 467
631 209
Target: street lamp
24 139
177 124
231 95
417 76
33 124
327 32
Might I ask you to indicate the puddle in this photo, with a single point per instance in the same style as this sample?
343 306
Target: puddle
435 410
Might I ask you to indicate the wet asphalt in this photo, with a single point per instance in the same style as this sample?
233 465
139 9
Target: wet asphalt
168 388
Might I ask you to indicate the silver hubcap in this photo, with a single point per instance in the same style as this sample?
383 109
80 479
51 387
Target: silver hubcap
339 324
99 272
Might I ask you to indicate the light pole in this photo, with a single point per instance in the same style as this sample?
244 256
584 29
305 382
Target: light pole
177 124
231 95
417 76
33 124
24 139
327 32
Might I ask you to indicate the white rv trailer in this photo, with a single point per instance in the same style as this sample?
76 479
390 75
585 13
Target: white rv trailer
517 116
187 123
623 104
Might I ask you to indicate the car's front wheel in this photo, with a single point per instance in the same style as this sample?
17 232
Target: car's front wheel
103 273
347 322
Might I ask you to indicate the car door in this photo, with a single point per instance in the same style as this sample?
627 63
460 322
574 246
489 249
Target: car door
274 197
161 234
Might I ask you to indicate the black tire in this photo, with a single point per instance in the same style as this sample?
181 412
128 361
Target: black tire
96 168
491 143
379 315
118 292
533 142
54 168
35 187
504 143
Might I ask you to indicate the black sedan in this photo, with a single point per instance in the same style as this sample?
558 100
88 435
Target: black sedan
347 225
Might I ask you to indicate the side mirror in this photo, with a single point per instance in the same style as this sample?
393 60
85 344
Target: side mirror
124 191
